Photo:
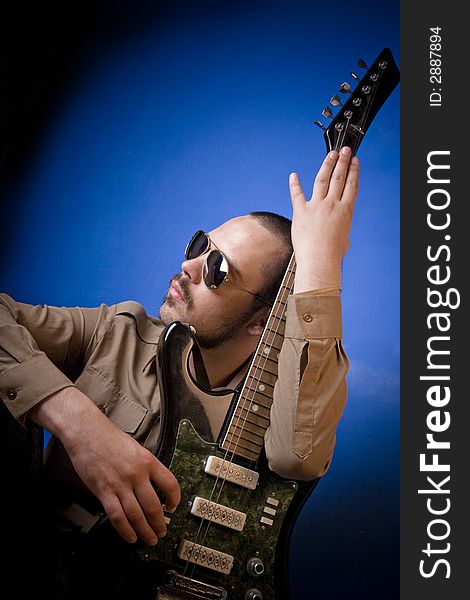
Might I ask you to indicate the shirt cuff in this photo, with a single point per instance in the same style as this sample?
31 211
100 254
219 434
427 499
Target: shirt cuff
30 382
310 316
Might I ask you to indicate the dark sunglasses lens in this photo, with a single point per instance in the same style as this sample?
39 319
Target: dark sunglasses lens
215 269
197 245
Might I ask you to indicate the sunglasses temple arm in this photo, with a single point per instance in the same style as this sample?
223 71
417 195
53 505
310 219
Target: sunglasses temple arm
245 290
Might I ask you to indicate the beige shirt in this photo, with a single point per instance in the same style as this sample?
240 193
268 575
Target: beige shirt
108 353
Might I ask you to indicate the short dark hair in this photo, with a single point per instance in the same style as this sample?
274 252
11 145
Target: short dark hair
281 227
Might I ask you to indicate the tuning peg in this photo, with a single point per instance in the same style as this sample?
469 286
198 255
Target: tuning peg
345 88
356 77
335 101
362 63
319 124
327 112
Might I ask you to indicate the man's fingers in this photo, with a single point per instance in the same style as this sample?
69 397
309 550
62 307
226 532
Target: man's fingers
296 193
152 508
340 172
322 180
352 182
167 483
137 519
115 512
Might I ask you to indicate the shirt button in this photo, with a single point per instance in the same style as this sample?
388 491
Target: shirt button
307 317
102 408
11 394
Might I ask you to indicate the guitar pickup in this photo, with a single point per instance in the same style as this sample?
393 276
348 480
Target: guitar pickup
230 471
205 557
217 513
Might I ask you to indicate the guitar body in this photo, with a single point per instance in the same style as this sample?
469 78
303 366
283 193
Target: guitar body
251 563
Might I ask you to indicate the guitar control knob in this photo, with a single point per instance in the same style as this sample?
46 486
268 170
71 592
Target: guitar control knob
253 594
255 566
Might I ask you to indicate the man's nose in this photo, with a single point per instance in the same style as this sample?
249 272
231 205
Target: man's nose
192 268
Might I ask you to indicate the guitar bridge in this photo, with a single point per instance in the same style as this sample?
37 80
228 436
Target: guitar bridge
179 587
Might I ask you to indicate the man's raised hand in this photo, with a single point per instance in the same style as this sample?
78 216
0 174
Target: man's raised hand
321 226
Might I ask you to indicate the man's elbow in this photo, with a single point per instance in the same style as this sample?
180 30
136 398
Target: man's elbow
291 466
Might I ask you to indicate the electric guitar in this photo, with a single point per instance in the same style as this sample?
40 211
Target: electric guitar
229 537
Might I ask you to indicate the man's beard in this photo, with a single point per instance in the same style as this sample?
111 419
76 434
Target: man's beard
221 332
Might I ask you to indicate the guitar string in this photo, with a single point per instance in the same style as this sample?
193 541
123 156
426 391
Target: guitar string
275 331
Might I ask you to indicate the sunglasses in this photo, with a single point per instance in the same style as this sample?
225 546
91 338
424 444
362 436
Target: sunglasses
215 271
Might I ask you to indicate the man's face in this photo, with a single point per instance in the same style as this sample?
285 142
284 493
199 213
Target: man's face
220 314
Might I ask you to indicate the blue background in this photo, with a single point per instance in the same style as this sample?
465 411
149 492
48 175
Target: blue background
183 118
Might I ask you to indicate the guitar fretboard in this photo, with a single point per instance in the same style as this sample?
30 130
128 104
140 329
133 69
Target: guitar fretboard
251 416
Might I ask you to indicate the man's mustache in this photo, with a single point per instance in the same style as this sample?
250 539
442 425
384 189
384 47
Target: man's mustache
182 281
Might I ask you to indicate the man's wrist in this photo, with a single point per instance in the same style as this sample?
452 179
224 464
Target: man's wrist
63 412
307 279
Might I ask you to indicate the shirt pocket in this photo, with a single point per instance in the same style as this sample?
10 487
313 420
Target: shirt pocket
123 411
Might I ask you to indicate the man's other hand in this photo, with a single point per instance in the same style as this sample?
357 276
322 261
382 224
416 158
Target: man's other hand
115 468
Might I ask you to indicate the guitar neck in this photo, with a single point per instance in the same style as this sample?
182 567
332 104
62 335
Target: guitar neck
250 418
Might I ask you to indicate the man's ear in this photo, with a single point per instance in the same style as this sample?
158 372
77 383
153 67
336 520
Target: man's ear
257 322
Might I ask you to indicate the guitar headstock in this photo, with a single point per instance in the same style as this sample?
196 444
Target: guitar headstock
349 125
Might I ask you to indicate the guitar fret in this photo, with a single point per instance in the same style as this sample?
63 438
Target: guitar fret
241 443
243 433
259 384
269 364
278 318
256 407
250 427
263 377
246 415
258 399
276 346
264 396
246 453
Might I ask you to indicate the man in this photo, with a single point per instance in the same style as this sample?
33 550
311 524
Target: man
99 363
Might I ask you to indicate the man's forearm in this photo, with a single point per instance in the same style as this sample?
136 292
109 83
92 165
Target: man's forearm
310 394
65 413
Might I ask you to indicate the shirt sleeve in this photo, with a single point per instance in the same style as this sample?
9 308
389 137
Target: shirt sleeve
41 348
310 393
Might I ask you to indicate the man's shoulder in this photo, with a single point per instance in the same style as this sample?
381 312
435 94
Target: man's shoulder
130 307
148 327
